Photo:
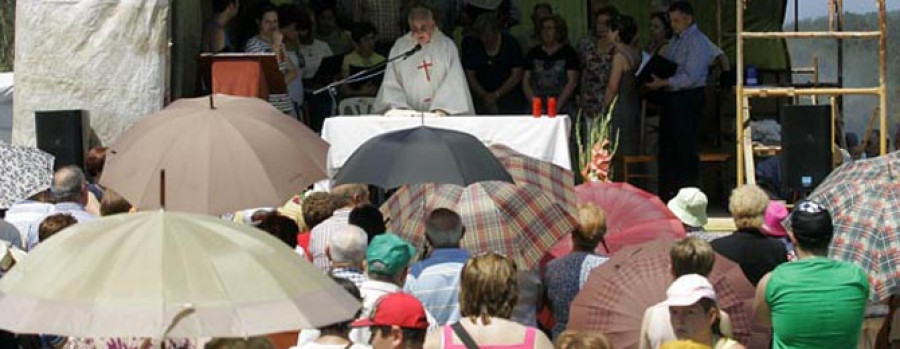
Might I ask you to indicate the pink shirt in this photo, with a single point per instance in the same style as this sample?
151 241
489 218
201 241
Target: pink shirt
527 344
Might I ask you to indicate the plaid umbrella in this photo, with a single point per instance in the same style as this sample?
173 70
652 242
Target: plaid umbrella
558 183
633 216
617 292
863 198
24 171
517 221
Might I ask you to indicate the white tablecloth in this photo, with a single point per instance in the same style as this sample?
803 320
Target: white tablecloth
542 138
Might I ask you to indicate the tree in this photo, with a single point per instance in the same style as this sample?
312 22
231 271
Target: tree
7 34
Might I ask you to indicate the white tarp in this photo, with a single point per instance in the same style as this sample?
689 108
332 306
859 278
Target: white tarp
107 57
6 106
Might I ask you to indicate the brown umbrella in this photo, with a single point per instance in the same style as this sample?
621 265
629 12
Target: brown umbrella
241 153
617 292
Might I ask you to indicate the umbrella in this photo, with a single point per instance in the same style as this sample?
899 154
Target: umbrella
617 292
421 155
558 183
24 171
517 221
633 216
167 274
241 153
863 198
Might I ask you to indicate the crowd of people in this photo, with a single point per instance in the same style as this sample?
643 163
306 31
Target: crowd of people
464 60
440 295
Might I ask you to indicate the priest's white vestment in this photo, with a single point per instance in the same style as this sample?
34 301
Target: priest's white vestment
429 80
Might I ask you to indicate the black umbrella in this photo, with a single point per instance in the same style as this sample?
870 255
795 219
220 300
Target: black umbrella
422 155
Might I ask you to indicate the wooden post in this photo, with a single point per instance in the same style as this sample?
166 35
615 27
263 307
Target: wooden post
882 102
739 91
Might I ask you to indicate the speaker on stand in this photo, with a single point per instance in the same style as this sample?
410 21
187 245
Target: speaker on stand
62 133
806 157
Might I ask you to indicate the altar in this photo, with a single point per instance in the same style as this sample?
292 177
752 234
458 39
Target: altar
541 138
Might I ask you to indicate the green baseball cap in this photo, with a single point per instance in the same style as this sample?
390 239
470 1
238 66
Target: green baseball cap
388 254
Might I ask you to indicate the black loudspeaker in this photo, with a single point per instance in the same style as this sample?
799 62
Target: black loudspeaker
806 146
62 133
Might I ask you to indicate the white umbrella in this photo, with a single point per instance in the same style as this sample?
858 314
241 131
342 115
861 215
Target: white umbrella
167 274
24 171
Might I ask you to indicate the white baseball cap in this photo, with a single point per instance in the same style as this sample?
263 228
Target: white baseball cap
689 289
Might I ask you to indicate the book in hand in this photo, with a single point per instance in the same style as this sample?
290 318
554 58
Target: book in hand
657 65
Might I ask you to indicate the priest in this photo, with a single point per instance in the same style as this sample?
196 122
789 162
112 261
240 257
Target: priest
429 80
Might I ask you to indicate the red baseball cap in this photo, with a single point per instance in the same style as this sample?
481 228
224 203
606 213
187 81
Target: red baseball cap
396 309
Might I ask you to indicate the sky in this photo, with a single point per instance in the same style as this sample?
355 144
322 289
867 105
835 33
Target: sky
819 8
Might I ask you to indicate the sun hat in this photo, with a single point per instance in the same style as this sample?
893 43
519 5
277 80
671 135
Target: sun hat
776 212
689 205
396 309
689 289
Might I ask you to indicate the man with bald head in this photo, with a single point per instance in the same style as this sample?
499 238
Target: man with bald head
69 194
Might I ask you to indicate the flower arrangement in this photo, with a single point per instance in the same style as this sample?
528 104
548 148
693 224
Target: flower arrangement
596 155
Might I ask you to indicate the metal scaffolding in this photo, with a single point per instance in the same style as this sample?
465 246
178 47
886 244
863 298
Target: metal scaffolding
745 148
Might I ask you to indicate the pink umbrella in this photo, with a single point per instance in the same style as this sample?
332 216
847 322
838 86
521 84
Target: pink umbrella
633 216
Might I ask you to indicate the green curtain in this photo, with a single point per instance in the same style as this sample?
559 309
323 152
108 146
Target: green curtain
760 15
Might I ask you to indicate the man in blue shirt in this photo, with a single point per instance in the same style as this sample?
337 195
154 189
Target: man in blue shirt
678 156
435 280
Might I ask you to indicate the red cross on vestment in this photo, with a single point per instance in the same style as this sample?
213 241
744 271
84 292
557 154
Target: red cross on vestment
425 66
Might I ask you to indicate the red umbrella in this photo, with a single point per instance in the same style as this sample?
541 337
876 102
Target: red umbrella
617 292
633 216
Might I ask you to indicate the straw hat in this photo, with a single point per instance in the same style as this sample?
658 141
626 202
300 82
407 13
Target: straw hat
689 205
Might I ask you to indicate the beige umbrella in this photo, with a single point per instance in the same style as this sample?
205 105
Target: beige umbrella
241 153
167 274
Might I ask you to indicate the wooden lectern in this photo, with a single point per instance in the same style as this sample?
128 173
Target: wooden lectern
242 74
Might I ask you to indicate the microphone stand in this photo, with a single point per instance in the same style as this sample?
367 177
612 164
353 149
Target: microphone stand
361 75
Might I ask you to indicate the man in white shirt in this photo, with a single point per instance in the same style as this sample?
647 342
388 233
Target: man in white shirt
69 191
430 79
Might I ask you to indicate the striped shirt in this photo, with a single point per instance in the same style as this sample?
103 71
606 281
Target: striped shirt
319 234
281 101
435 282
693 53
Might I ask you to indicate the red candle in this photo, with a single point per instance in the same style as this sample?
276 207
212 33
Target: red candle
551 107
536 106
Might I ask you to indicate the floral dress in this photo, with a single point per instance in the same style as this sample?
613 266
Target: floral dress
596 68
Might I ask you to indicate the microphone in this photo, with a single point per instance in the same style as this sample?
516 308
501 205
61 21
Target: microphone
412 51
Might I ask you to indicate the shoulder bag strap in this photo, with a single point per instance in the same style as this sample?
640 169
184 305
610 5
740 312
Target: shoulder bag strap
464 336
